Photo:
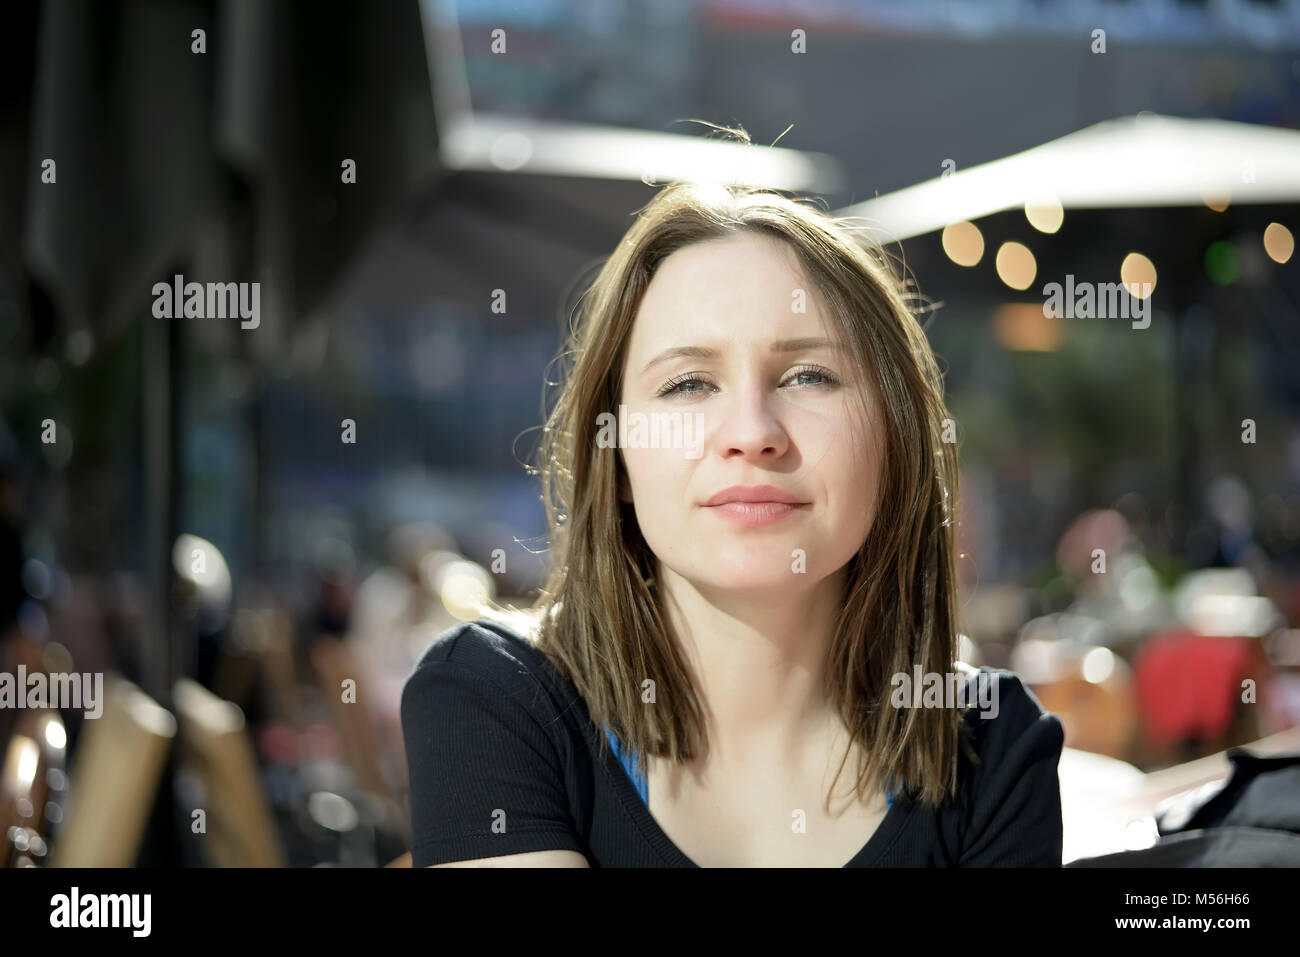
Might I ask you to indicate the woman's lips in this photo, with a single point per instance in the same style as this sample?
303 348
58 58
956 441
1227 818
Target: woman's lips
754 513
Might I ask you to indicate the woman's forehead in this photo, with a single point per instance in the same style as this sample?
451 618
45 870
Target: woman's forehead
747 261
734 291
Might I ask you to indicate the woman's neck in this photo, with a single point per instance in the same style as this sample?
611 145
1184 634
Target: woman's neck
759 663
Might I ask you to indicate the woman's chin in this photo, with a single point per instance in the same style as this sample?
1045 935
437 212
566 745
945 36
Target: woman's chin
763 581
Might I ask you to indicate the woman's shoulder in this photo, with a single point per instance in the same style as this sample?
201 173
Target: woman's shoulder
488 645
1014 739
491 658
989 687
1001 710
485 730
1011 804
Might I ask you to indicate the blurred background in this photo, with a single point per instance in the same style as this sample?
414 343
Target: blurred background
233 521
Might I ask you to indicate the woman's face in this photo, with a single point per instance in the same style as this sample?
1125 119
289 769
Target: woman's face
731 336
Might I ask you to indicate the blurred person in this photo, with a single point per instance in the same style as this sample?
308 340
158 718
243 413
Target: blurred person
722 624
1233 513
331 590
1114 583
395 615
394 605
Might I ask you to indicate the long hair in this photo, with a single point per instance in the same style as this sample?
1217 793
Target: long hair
599 617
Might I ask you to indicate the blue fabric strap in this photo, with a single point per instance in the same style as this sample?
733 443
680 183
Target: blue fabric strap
629 763
630 766
890 791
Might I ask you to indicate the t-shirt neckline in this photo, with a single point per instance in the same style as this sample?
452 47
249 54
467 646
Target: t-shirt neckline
880 841
886 833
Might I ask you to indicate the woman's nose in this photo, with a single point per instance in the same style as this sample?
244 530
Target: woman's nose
748 425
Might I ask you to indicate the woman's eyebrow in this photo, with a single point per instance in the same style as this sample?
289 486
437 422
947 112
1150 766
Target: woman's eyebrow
691 352
705 352
802 345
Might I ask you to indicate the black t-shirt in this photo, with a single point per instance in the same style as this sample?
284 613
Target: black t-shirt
504 758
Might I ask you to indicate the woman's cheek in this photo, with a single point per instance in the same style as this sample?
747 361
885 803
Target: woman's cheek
663 468
646 473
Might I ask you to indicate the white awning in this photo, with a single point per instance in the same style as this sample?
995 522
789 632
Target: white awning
1143 160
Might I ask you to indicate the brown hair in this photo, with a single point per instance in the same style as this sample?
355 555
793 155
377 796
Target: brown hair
599 616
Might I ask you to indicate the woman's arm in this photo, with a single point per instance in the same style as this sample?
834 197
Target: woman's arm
531 859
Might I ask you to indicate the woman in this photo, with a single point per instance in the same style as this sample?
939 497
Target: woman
745 583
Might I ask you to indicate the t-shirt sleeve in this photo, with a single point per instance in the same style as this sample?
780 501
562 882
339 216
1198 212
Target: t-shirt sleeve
486 779
1015 809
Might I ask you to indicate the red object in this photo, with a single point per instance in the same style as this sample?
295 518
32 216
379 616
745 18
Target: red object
279 743
1188 684
322 741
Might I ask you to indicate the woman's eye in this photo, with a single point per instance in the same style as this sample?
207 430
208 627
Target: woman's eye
683 385
693 384
811 376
